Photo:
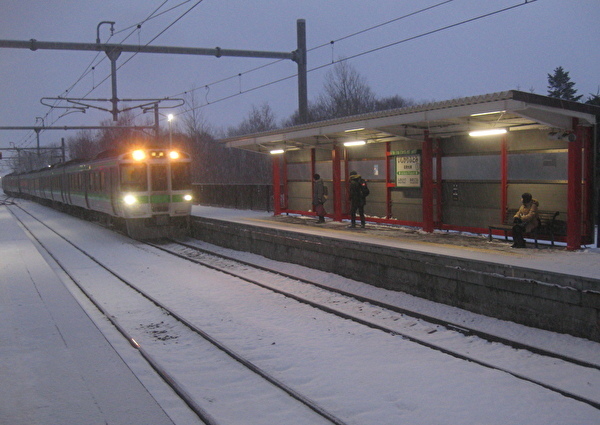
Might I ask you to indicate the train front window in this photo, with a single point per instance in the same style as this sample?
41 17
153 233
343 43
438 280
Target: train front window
134 177
180 176
159 177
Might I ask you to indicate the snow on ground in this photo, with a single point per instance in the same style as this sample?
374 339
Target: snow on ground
361 374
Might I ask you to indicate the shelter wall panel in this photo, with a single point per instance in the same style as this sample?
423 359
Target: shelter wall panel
300 196
533 140
552 197
463 194
457 145
407 212
471 217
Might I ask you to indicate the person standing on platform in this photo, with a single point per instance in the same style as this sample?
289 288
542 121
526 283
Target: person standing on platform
319 198
358 198
525 220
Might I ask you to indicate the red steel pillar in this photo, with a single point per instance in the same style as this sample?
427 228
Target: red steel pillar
388 179
503 178
438 183
574 189
336 163
427 183
276 185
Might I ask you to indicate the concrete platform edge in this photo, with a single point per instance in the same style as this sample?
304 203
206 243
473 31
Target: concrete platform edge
546 300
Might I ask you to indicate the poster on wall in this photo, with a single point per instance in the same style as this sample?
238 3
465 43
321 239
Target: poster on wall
408 168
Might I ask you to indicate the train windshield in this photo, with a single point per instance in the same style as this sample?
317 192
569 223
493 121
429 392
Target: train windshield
159 177
134 177
180 176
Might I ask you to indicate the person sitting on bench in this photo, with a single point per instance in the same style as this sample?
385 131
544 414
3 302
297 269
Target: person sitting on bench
525 220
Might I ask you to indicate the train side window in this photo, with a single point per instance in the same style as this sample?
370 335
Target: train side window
134 177
159 177
180 176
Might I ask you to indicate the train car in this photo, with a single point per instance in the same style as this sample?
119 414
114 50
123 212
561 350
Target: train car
146 191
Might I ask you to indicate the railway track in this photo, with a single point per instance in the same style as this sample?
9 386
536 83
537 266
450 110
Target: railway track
161 323
422 329
452 339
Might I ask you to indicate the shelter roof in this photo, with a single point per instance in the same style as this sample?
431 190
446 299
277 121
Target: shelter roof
513 110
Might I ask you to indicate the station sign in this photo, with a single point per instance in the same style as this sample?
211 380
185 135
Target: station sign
408 168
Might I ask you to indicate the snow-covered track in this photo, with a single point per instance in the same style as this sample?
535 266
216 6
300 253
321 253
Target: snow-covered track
433 333
165 317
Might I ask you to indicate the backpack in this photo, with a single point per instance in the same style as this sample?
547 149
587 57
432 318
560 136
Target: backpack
364 189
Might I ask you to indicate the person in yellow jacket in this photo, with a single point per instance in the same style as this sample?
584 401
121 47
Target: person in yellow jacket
525 220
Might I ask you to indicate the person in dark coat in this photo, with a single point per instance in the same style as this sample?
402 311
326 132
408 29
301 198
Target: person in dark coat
319 198
525 220
358 193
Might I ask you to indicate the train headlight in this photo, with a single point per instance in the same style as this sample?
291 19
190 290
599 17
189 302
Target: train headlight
138 155
174 155
129 199
187 197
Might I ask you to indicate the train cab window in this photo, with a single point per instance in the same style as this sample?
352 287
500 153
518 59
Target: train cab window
180 176
159 177
134 177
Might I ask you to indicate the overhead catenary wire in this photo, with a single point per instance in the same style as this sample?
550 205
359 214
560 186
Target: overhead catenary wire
333 62
93 64
363 53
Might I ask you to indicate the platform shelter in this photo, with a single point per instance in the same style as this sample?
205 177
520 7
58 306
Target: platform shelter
453 165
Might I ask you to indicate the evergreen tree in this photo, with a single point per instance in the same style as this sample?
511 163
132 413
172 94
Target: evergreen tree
594 99
561 86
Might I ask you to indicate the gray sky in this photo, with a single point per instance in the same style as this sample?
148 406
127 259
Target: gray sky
514 49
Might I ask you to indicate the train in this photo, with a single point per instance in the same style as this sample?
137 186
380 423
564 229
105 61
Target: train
145 192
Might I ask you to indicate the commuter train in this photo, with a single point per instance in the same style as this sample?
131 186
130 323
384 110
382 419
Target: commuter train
147 192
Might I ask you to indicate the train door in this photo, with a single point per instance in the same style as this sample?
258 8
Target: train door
159 186
86 188
113 184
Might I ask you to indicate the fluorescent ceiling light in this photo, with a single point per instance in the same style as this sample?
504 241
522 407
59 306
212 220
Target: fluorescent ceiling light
354 129
491 132
488 113
355 143
276 151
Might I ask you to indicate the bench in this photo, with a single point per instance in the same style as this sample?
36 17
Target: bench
547 225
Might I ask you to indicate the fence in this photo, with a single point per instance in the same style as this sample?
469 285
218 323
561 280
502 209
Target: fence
239 196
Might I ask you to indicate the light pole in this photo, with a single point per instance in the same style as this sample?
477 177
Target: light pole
170 118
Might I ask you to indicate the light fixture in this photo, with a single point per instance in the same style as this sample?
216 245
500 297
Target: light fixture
355 143
354 129
138 155
129 199
488 113
276 151
492 132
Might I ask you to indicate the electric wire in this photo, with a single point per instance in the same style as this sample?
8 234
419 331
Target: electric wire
92 65
333 62
366 52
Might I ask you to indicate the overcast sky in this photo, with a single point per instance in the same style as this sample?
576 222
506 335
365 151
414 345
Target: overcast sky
513 49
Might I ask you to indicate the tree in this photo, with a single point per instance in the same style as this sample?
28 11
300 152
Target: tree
392 102
259 119
346 93
594 99
561 86
82 145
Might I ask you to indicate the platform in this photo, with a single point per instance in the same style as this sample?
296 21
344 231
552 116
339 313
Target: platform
56 366
584 263
549 288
